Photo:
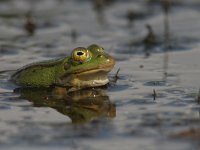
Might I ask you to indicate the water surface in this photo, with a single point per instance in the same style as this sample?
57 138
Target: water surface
154 103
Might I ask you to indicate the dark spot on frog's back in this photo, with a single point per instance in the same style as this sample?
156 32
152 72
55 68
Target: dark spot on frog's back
34 71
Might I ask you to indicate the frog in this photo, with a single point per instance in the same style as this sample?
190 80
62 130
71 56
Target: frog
85 67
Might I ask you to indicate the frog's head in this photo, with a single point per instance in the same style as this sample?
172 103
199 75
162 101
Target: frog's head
88 67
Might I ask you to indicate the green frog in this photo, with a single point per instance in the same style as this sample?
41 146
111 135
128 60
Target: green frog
86 67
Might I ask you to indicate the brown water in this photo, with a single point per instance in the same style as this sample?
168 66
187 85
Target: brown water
145 109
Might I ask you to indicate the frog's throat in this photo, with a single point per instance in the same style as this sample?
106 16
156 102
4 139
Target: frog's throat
88 84
91 78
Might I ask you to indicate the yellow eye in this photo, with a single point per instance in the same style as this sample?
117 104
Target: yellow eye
81 54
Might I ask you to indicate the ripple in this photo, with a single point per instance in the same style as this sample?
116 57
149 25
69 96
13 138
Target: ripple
156 83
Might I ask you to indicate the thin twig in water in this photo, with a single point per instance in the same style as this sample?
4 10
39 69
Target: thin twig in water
30 25
165 65
198 97
74 35
116 77
130 17
166 7
154 94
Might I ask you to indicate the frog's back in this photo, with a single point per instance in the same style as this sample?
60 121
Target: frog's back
41 74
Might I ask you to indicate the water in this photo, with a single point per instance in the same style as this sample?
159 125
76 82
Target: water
145 109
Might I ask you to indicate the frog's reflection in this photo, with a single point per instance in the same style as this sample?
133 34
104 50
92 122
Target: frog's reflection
81 106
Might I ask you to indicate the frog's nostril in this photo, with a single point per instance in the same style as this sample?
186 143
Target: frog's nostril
79 53
100 56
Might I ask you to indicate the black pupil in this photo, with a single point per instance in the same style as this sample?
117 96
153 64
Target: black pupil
80 53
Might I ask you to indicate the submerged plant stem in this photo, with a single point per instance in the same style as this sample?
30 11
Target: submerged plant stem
116 77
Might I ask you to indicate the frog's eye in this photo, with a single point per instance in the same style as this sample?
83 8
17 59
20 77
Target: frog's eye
81 54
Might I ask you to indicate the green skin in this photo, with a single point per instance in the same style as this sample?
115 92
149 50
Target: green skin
68 72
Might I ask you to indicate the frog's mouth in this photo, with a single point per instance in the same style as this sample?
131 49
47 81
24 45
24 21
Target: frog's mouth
94 72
